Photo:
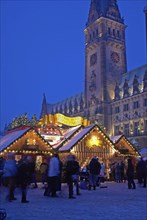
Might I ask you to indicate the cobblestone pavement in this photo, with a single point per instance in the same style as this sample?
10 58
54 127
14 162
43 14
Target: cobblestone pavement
115 202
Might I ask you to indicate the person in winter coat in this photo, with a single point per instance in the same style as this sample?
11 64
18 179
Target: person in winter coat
71 168
94 170
76 176
142 172
101 177
10 174
53 174
43 171
122 168
130 175
118 173
33 172
24 175
59 178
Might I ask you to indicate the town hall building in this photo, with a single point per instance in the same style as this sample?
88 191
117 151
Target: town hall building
113 98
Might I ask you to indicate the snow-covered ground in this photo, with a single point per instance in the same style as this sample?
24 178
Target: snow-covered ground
116 202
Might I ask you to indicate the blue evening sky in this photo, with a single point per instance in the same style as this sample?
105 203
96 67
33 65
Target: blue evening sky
42 51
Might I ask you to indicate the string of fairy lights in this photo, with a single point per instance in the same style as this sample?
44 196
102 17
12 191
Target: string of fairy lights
50 150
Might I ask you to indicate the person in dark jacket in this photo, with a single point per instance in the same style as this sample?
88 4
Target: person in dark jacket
43 171
141 172
94 171
60 174
76 176
71 168
33 172
130 175
24 174
122 169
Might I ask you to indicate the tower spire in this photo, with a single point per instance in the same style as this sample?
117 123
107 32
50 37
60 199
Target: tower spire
44 107
104 8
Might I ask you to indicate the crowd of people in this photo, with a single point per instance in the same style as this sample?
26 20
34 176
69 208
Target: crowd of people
53 172
121 172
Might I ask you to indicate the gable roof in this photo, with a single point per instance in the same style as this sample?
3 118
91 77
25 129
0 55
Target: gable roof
8 141
71 142
69 133
72 131
124 146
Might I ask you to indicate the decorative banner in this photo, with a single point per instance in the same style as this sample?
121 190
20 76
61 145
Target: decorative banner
70 121
62 119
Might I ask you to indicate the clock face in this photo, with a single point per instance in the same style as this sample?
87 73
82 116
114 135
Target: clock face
115 57
93 59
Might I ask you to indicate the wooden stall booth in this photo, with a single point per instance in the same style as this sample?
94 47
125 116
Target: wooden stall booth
87 142
26 141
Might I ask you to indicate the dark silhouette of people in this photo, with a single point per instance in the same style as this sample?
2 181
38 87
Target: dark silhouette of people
59 177
33 172
122 171
24 175
130 175
71 168
118 173
94 170
43 171
141 170
47 189
76 176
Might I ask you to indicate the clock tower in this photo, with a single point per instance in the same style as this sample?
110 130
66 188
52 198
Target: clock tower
105 58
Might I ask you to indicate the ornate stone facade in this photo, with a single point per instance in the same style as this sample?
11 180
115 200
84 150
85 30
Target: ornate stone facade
108 85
